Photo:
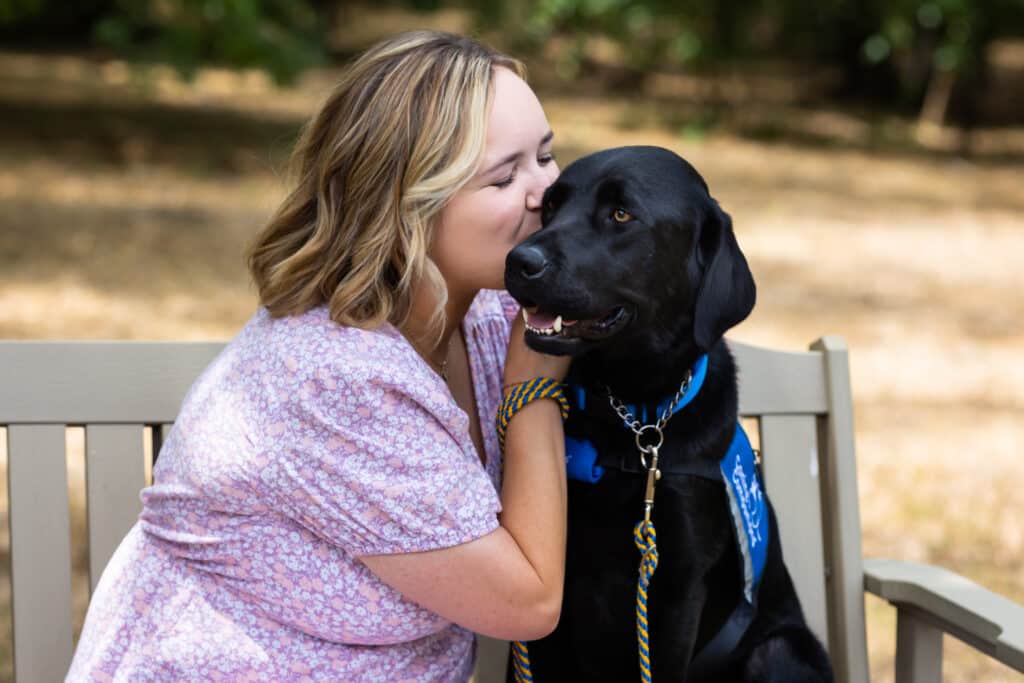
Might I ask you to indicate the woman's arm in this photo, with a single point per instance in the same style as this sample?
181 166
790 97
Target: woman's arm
507 584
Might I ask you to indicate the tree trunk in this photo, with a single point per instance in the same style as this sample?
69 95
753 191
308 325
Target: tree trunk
932 116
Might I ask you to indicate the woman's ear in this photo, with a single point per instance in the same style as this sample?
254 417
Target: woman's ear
727 293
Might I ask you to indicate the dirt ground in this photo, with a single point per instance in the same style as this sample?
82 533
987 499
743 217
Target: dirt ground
124 207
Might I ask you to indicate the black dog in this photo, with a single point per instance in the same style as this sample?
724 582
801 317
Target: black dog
637 274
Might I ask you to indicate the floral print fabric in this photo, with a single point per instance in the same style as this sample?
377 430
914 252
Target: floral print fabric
303 446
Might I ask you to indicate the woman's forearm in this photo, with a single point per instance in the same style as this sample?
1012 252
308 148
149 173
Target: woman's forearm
533 495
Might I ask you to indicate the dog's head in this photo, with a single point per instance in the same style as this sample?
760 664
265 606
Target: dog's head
634 257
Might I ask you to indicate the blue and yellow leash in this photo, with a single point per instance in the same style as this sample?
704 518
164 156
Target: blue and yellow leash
645 539
644 535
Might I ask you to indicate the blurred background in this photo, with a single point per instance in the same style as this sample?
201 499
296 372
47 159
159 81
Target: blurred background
869 152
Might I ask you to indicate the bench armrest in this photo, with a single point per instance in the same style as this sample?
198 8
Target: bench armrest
985 620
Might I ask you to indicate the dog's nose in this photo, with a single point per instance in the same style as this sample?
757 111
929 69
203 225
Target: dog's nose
529 261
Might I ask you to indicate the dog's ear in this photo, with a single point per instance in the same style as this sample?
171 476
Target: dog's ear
727 292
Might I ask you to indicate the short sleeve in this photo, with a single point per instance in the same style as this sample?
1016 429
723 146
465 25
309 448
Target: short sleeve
509 306
372 464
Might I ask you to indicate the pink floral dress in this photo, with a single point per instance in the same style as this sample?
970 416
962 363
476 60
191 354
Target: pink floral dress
304 445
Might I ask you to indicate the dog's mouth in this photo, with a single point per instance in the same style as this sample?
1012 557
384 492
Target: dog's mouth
548 325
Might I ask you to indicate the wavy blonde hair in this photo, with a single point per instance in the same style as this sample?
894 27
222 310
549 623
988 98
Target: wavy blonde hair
401 133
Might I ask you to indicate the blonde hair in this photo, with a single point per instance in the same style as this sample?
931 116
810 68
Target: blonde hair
401 133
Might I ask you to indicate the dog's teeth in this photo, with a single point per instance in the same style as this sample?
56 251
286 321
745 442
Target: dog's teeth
558 324
526 318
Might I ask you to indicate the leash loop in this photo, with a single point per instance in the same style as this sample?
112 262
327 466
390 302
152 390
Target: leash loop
521 395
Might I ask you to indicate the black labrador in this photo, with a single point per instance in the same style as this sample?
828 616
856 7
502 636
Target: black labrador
637 274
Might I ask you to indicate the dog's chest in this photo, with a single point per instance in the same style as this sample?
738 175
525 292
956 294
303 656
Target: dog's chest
690 515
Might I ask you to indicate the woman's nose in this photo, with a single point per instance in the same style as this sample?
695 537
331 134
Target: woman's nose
542 180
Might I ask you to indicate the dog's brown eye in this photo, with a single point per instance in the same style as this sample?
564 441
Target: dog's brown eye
622 216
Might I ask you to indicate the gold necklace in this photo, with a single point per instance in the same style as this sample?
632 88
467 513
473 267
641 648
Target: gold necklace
443 370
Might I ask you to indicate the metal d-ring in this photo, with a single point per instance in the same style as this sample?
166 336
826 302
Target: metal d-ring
644 450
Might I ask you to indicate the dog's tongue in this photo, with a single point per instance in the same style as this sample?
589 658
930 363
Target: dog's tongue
540 319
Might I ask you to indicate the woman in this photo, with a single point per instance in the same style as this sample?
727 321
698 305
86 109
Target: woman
326 507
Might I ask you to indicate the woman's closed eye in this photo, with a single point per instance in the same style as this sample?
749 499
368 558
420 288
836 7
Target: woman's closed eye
542 160
505 182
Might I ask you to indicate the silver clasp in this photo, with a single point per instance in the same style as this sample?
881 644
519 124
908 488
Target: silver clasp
652 477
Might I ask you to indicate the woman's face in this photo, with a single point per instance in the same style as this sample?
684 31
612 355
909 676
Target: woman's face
500 206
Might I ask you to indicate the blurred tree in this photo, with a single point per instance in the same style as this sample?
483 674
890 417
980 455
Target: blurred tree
281 36
923 54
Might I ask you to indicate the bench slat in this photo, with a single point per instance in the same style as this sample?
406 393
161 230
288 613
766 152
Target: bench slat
780 382
848 646
57 381
114 473
40 551
791 469
99 382
491 660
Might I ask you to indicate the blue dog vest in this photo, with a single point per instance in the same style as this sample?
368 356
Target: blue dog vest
737 471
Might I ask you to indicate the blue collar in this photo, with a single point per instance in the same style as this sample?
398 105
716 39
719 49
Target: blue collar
700 371
580 454
578 395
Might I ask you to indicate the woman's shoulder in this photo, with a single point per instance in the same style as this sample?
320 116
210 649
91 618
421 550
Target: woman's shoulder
311 346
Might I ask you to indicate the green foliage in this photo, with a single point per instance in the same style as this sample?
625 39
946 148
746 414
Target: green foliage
651 32
15 10
885 46
281 36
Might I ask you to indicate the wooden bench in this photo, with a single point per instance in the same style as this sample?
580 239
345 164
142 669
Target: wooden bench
801 402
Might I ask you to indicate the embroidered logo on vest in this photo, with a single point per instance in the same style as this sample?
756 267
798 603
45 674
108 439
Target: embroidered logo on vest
750 499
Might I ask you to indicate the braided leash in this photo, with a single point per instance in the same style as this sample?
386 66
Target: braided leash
522 395
644 535
645 540
525 393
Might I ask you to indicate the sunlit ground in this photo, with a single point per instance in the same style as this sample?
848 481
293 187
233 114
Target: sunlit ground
124 207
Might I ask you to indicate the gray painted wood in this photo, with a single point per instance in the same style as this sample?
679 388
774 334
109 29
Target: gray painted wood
98 382
492 660
918 650
779 382
987 621
57 381
791 468
844 560
40 552
115 472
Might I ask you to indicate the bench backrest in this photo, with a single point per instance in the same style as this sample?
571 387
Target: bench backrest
115 390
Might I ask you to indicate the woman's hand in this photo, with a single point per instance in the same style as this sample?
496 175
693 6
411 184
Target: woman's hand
523 363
